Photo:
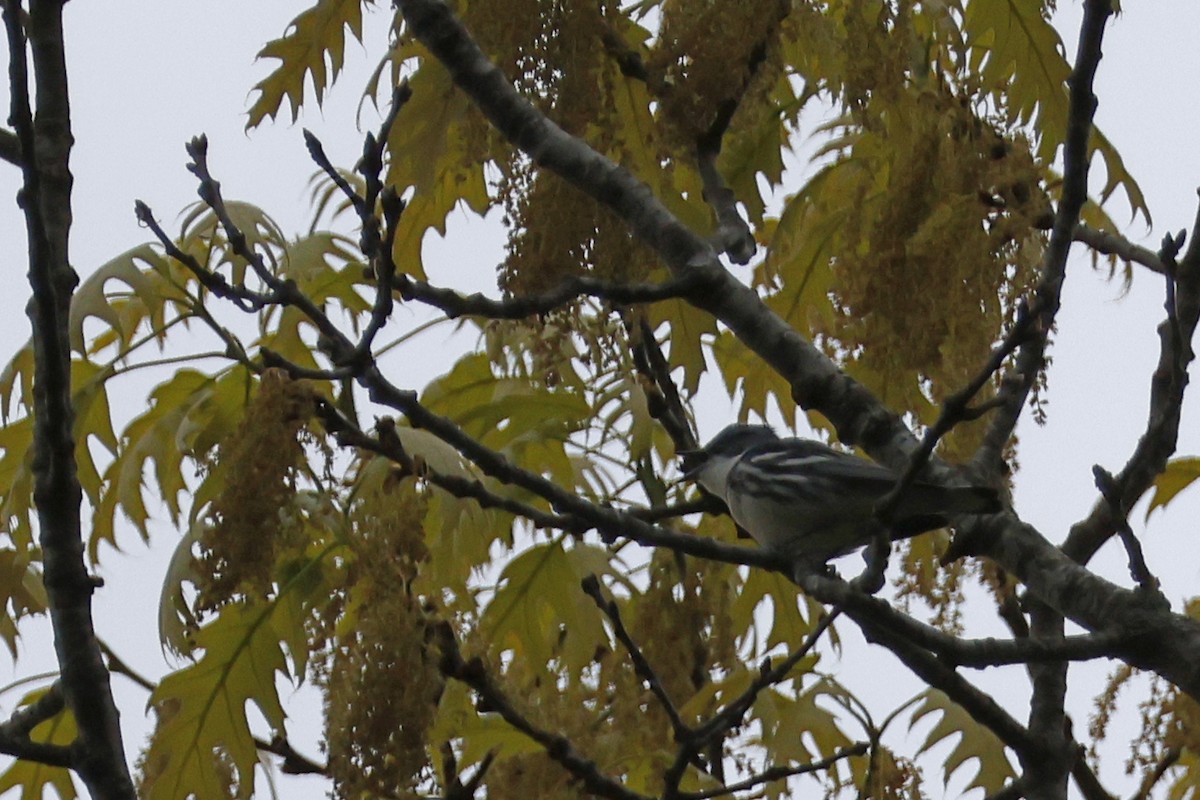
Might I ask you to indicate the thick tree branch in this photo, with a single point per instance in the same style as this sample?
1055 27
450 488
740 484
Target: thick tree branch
816 382
45 142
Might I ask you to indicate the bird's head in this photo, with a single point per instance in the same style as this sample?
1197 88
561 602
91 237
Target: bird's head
730 443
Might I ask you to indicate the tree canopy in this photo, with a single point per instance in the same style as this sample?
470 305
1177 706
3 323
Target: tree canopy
852 217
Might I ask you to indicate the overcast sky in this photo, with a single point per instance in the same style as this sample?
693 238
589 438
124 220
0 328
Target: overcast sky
145 77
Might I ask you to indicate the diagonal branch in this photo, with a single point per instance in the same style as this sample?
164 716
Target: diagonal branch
1044 305
591 587
1167 385
1109 243
816 382
14 733
10 148
558 747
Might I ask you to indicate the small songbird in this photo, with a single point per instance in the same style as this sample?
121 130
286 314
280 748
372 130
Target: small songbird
804 499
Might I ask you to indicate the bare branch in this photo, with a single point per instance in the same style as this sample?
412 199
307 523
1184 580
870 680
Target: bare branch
241 297
1114 244
591 587
387 444
1043 308
98 753
1167 386
1133 549
456 305
10 148
779 773
558 747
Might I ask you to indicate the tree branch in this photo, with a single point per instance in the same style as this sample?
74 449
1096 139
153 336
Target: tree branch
10 148
641 667
98 754
558 747
779 773
1167 386
1043 308
1114 244
456 305
14 733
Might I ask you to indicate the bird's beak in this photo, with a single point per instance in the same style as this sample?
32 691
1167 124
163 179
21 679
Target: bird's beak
693 461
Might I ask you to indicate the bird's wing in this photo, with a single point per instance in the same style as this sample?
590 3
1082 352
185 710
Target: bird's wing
805 462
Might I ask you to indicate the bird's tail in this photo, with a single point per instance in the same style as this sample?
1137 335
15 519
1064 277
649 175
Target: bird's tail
926 506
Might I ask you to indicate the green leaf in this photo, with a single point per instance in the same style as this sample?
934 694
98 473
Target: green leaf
95 298
789 724
540 612
975 742
746 376
21 593
313 46
688 327
188 415
16 480
432 157
176 623
202 707
520 419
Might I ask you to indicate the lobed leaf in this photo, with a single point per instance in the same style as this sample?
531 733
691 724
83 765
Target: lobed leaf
312 48
975 742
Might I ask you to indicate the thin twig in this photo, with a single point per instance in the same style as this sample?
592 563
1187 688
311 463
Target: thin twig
455 305
558 747
1138 569
779 773
591 587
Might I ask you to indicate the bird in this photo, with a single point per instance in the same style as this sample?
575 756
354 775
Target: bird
803 499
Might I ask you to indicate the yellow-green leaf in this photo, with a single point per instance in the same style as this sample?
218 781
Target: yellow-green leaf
540 612
202 707
1179 474
313 47
975 742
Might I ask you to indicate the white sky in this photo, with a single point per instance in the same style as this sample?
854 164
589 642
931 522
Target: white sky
145 77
